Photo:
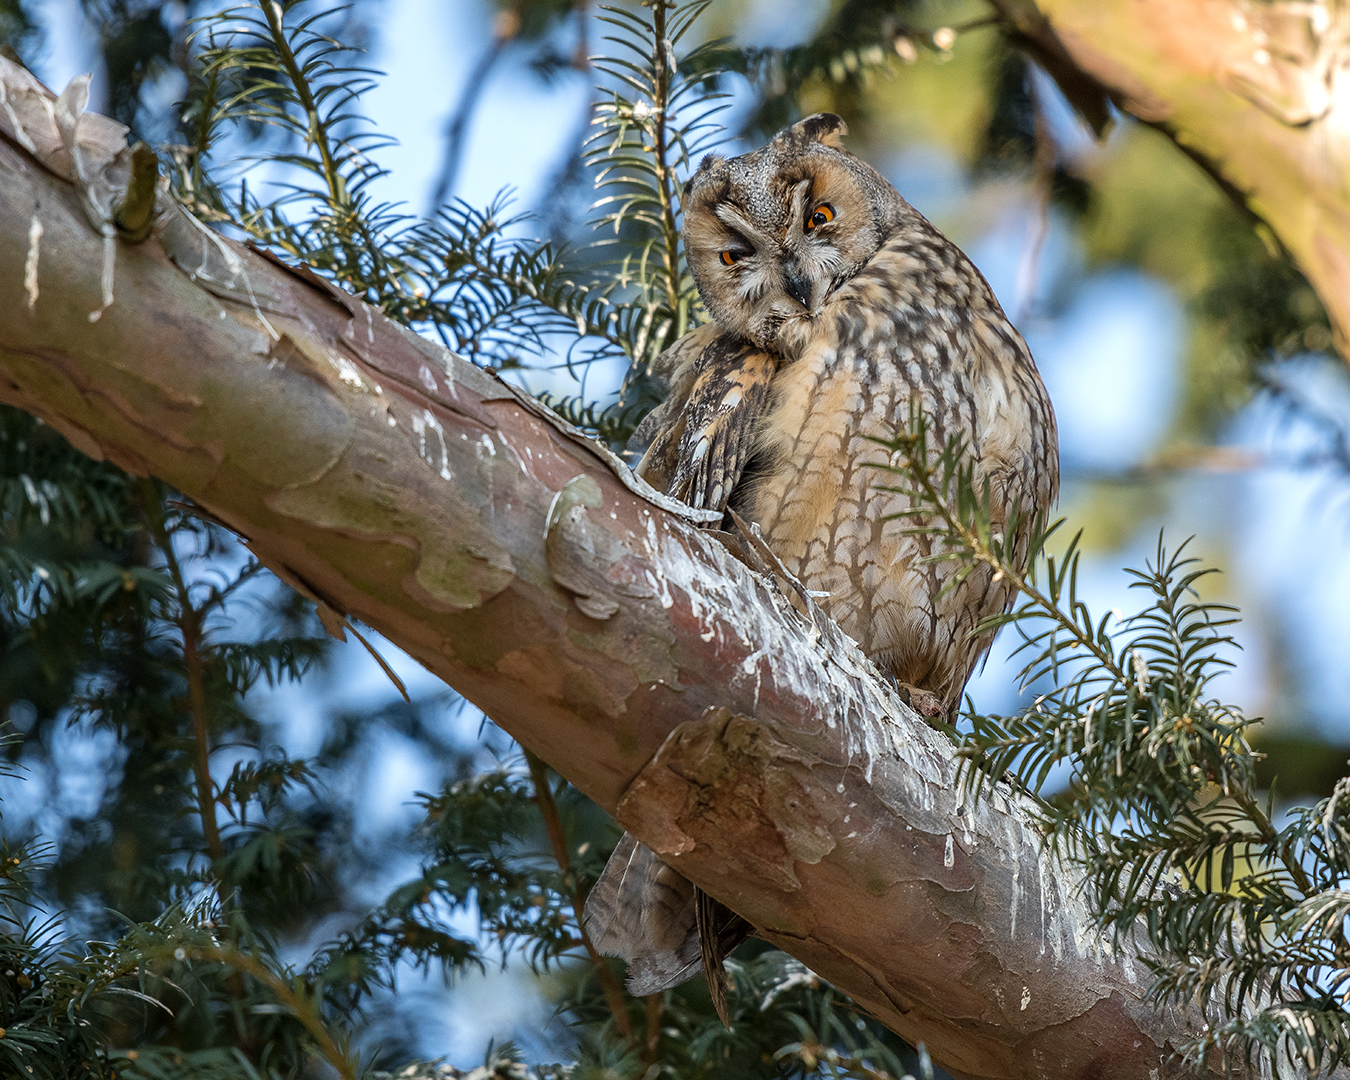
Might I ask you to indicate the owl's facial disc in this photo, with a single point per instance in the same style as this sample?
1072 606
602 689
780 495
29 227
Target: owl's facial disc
753 269
771 235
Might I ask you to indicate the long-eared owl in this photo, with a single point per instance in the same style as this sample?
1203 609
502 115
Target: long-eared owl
836 307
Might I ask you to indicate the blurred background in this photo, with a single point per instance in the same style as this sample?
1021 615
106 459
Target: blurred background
1189 364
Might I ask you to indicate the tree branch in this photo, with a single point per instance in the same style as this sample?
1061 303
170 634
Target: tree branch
1252 92
393 482
456 127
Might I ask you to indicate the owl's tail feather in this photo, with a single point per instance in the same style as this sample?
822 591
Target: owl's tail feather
649 915
642 911
720 930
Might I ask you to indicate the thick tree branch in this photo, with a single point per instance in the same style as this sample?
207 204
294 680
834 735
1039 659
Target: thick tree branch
400 485
1257 93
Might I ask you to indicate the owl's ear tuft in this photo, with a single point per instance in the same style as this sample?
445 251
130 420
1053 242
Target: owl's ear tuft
824 128
706 166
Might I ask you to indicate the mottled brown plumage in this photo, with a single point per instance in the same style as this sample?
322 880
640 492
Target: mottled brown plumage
701 437
836 307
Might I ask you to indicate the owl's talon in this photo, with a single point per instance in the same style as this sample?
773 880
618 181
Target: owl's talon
924 702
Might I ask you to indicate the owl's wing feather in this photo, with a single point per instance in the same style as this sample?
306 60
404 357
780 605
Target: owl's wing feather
719 931
644 912
696 445
657 437
726 397
657 920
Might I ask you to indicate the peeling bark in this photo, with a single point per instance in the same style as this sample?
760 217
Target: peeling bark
1257 92
751 745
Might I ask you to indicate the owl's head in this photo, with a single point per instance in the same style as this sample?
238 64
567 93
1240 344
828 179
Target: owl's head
771 234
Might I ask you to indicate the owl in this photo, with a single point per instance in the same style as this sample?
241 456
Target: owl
836 308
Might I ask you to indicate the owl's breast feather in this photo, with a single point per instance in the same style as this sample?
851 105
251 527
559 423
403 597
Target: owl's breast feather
816 447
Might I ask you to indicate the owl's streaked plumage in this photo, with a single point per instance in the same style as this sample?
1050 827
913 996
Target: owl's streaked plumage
835 307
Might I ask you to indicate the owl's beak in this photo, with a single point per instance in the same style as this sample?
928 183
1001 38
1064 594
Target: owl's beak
796 285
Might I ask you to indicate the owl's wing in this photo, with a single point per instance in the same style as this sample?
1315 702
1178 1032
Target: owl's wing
644 912
657 437
724 403
661 923
696 445
1019 447
702 440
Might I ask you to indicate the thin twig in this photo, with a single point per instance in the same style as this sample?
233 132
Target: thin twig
548 808
347 220
655 1005
384 664
317 132
304 1011
190 628
1043 165
665 174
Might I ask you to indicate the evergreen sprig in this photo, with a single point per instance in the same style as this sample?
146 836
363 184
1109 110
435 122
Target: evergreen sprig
470 276
1160 807
657 119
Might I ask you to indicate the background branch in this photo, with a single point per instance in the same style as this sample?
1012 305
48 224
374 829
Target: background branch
456 127
1248 91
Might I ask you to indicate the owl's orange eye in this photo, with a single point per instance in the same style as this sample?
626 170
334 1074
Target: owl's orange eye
821 215
729 257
